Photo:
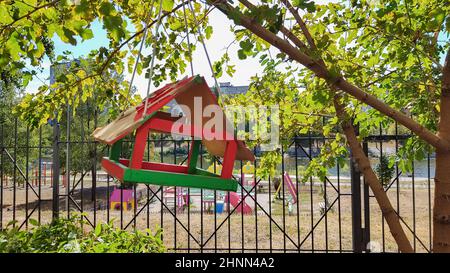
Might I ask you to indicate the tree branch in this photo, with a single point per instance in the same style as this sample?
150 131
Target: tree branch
337 81
283 29
301 23
28 15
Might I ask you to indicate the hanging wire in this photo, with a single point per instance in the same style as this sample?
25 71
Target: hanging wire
147 20
153 59
217 89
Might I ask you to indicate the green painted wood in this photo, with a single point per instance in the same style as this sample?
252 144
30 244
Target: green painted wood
149 116
198 79
116 148
179 180
194 156
199 171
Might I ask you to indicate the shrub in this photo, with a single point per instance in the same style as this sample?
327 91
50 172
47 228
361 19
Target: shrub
66 235
384 171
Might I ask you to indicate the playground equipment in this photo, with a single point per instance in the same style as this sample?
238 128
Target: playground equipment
290 186
122 198
247 177
248 168
219 206
215 169
179 197
146 117
235 200
41 173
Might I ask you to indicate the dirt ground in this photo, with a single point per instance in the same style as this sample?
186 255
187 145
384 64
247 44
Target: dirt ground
270 227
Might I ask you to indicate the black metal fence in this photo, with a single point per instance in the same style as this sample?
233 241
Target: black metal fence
54 172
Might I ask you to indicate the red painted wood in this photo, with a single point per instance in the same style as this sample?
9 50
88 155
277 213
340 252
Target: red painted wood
112 168
228 159
139 147
164 125
161 97
162 167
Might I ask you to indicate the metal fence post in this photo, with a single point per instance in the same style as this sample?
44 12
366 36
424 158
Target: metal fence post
2 163
94 171
366 196
55 167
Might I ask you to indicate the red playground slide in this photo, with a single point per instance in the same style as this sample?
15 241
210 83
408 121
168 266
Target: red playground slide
292 189
234 201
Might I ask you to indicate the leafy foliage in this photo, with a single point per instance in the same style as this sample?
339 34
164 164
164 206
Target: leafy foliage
389 48
26 32
66 235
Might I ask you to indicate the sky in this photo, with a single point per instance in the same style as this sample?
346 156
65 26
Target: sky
216 47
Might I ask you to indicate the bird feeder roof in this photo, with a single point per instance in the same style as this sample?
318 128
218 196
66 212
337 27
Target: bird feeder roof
188 92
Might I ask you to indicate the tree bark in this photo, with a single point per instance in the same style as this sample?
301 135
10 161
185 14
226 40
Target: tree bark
372 181
441 210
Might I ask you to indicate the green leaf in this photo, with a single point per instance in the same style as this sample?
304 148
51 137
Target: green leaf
82 7
106 8
34 222
4 14
26 78
67 36
167 5
208 32
14 48
305 4
231 70
246 45
87 34
114 24
241 54
98 230
276 26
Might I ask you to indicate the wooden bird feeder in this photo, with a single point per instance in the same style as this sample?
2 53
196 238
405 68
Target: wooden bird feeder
189 92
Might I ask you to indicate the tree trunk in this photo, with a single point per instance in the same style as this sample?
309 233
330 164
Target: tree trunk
371 179
441 210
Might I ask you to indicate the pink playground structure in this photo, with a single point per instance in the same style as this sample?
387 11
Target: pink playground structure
291 187
127 198
234 201
181 197
235 198
288 184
